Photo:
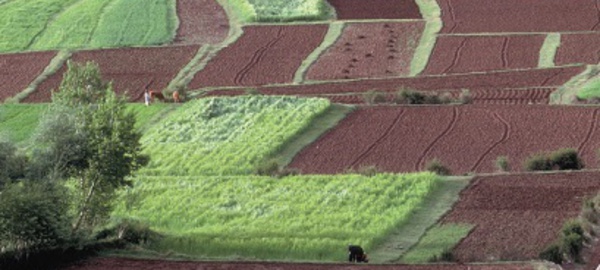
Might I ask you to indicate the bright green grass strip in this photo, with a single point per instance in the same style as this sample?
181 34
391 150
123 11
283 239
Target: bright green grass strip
74 27
298 218
548 50
437 240
227 136
147 116
290 10
19 121
136 22
333 33
431 13
242 10
590 89
22 20
425 216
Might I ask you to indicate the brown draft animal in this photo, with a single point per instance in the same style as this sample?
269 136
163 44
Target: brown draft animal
176 97
156 94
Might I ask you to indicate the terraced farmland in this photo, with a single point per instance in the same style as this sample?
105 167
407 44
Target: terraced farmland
17 71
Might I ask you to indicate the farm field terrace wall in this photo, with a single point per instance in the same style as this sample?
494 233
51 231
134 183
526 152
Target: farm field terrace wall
292 218
369 50
262 55
101 263
463 54
201 22
376 9
18 70
464 138
492 16
518 215
226 136
578 48
130 69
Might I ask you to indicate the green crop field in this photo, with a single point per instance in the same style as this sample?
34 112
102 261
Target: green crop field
57 24
590 89
226 136
281 10
19 121
437 240
310 217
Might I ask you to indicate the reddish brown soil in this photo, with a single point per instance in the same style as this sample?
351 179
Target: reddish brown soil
467 16
462 54
263 55
118 263
517 216
376 9
201 22
578 48
130 69
369 50
18 70
465 138
536 78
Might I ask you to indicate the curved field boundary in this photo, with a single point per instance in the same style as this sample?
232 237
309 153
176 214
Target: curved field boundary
201 22
469 143
491 16
369 50
579 48
333 34
548 50
532 207
130 69
376 9
281 50
464 54
18 70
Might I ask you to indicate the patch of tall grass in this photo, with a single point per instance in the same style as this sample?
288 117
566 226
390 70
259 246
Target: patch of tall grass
590 89
22 20
281 10
226 136
437 243
310 217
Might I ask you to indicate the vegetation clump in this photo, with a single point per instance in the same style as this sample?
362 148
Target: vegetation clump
437 167
563 159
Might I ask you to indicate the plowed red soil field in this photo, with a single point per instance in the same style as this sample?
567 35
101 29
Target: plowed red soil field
578 48
369 50
18 70
117 263
201 22
465 138
527 79
462 54
518 216
130 69
262 55
484 16
376 9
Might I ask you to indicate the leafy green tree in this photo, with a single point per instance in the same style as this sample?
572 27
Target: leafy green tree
90 137
12 164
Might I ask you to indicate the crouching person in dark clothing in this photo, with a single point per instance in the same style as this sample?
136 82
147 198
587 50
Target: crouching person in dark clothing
357 254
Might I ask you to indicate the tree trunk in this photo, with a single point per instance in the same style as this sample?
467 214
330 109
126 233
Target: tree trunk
84 207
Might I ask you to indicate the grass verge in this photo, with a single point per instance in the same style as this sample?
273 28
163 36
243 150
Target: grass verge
569 92
425 216
334 32
55 64
431 13
548 50
186 74
438 240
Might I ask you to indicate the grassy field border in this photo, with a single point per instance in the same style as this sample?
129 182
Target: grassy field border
425 217
55 64
333 34
548 50
431 12
186 74
437 240
567 93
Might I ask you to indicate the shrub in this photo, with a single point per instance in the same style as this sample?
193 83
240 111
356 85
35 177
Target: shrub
268 168
465 97
368 170
374 97
572 244
437 167
566 159
409 97
552 254
538 162
502 163
572 227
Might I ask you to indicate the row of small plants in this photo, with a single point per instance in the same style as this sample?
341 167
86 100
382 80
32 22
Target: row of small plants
407 96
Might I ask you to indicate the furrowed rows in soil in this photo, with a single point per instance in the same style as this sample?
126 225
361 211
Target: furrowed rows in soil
263 55
18 70
466 138
463 54
369 50
130 69
486 16
518 215
201 22
376 9
578 48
